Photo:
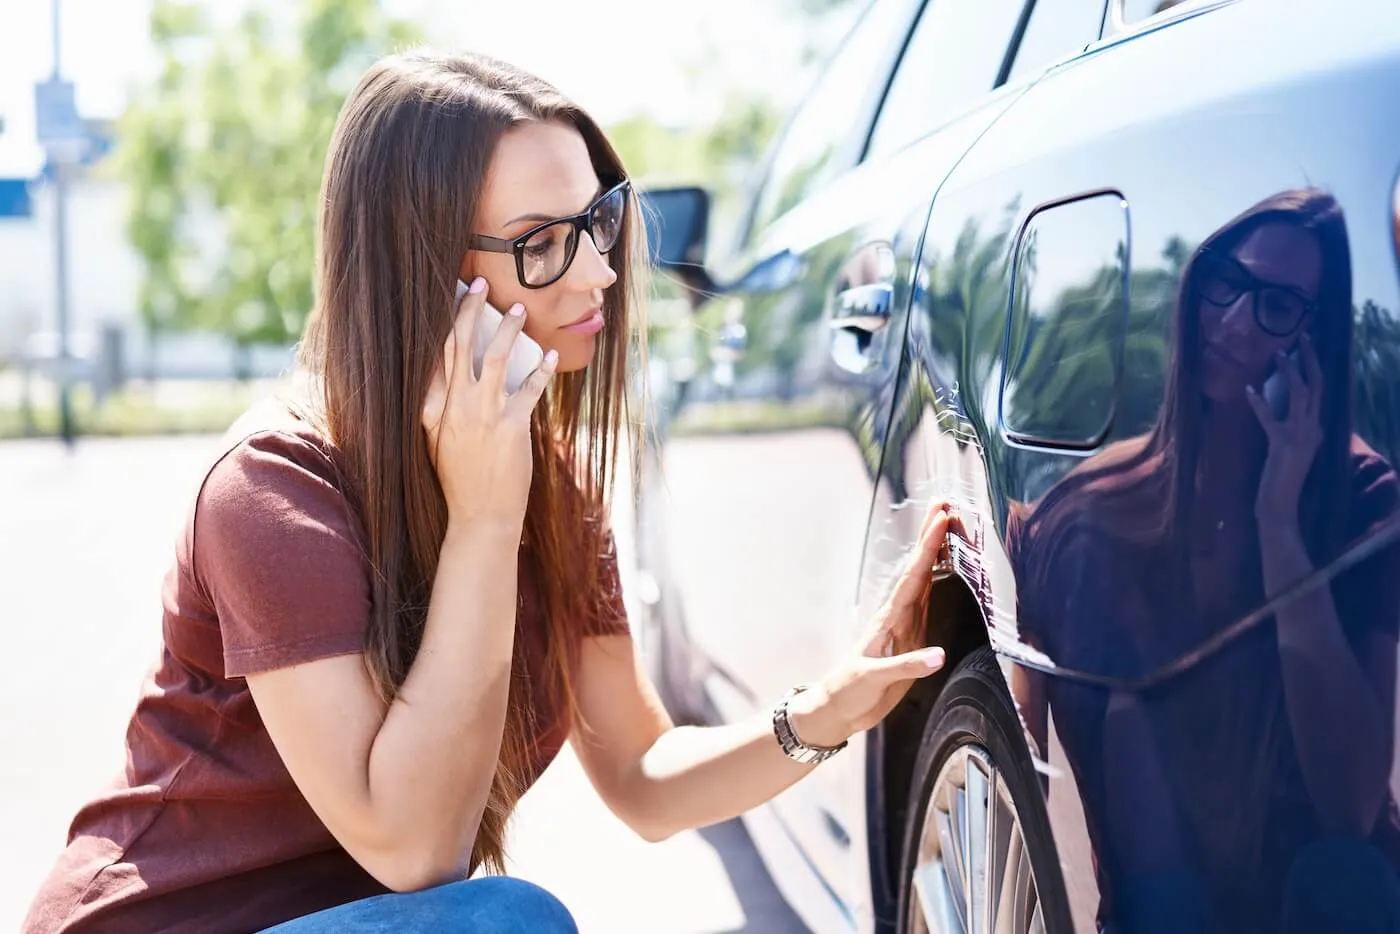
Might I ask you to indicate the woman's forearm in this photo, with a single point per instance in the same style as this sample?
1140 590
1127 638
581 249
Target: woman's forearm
694 776
1338 726
434 757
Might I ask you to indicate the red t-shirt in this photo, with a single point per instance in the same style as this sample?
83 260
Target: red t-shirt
205 830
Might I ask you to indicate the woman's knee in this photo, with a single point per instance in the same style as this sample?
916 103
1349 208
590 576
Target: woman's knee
504 905
1341 884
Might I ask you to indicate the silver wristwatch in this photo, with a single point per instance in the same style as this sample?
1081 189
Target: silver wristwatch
788 739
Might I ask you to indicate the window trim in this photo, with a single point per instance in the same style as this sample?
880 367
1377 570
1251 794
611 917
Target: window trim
1114 27
1014 49
855 149
1013 43
888 83
1008 58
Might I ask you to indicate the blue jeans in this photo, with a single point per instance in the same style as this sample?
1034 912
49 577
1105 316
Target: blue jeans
489 905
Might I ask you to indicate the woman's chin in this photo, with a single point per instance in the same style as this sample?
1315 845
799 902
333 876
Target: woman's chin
572 360
1224 397
576 352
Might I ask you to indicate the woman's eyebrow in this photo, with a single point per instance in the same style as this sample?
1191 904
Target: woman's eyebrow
1265 275
549 217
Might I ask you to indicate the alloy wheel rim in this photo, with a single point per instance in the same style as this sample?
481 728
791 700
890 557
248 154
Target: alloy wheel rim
973 873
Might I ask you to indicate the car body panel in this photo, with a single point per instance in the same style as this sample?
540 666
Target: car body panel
1099 181
769 487
1263 110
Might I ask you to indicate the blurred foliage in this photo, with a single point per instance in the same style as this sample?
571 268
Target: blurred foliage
728 156
235 128
715 155
237 125
203 407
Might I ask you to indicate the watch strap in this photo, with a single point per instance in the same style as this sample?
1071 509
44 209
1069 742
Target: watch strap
792 745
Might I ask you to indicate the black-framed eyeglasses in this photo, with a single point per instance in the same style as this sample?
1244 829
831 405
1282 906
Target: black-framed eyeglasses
1278 309
544 253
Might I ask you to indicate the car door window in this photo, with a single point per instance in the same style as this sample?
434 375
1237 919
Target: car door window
829 130
1056 30
954 57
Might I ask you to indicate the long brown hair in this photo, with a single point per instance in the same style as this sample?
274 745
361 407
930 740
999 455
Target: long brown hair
402 186
1155 475
1227 708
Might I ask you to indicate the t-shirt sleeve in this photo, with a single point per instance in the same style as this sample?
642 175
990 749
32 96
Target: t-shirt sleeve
277 557
1368 594
610 613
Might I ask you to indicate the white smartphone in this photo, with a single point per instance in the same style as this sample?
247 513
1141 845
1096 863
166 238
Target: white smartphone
1275 390
525 354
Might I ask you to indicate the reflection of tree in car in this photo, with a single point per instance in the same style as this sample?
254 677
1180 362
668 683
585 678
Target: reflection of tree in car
1251 792
950 328
1378 377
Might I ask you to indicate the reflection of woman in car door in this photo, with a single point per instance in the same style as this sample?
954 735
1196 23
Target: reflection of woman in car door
1251 793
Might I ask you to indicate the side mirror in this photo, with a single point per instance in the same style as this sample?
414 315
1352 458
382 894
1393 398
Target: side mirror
677 225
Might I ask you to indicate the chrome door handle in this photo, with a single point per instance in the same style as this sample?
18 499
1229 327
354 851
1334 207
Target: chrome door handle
864 308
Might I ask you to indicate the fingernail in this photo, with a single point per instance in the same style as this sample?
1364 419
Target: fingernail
517 310
551 358
478 285
934 657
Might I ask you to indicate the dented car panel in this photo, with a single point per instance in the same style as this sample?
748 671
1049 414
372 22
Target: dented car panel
1149 348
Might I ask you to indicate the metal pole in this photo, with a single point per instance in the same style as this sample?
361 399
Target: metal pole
57 62
60 227
65 408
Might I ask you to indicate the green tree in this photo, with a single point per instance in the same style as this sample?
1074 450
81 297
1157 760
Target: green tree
238 124
153 159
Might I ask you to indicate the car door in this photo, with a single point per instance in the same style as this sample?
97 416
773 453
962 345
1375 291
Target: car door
1055 376
770 464
746 556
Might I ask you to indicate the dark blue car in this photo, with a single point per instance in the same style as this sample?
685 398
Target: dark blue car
1120 280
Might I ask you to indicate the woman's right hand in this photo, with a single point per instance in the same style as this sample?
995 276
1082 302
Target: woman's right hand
478 435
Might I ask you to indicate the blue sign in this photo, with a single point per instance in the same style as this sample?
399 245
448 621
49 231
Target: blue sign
56 113
14 198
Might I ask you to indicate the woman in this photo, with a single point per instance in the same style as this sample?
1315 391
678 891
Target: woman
396 596
1251 791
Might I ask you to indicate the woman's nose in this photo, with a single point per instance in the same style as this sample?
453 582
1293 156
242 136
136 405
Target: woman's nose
1238 320
593 267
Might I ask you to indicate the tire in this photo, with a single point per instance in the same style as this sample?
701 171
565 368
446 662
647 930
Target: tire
973 751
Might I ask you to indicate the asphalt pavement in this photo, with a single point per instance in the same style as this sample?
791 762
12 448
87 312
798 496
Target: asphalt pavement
85 538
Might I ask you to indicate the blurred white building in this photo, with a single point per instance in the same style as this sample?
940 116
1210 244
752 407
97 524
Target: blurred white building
104 276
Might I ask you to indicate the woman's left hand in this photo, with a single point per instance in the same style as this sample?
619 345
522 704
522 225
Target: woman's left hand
862 690
1293 440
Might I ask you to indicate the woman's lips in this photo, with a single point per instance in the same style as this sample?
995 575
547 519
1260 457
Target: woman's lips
1220 356
590 323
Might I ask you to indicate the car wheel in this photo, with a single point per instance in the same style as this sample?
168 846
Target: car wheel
978 854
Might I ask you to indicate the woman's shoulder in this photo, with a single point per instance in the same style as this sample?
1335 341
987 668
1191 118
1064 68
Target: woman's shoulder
1119 486
272 471
282 427
275 547
1375 487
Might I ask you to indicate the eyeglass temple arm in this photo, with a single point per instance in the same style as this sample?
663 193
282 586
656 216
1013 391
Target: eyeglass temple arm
492 244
